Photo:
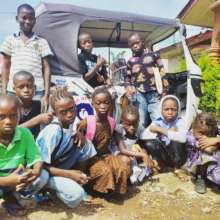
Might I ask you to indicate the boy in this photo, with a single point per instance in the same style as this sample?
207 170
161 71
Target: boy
31 116
140 75
26 51
92 67
62 148
17 151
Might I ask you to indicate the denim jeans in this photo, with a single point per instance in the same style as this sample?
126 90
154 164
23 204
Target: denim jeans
67 190
35 187
148 105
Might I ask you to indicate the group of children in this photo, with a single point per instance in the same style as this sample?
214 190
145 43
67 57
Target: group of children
67 154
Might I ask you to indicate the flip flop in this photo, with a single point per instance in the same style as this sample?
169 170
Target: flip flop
14 209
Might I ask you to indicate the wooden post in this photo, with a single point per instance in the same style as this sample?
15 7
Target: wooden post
214 51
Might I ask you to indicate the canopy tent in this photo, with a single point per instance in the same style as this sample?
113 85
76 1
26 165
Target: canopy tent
60 24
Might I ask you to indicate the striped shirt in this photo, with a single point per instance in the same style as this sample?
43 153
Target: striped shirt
26 56
22 150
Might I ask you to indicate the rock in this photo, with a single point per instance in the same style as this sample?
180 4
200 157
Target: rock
179 192
206 210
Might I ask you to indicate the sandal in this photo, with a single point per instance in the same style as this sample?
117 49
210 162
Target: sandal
181 174
14 209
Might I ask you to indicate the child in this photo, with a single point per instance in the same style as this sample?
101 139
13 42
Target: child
169 146
109 172
31 116
62 149
204 159
92 66
131 134
20 162
26 51
140 75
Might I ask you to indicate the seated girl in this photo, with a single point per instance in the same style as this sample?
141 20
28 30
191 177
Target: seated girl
170 131
109 173
204 154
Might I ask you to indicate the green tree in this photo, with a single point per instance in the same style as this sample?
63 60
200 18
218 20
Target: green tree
210 101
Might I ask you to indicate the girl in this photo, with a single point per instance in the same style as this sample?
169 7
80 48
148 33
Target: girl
131 133
108 172
62 149
168 148
204 155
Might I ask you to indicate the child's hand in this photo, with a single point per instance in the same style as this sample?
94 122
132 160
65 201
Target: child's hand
44 103
100 61
210 150
16 177
108 82
45 118
147 161
80 139
130 90
100 78
153 128
208 141
78 176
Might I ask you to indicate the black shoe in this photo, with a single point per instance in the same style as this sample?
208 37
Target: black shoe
200 185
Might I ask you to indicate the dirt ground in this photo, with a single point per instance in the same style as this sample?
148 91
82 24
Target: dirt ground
165 197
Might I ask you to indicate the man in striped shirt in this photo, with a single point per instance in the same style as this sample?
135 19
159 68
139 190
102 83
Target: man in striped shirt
26 51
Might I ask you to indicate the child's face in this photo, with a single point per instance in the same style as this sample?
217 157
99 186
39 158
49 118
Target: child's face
197 133
85 43
8 117
169 110
136 44
26 20
102 103
130 123
65 111
24 89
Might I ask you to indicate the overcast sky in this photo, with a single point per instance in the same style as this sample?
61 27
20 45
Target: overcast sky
159 8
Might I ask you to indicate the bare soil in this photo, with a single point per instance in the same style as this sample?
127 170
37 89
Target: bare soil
164 197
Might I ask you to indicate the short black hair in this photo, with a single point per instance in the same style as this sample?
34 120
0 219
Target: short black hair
25 6
12 99
81 35
135 34
102 90
23 74
130 110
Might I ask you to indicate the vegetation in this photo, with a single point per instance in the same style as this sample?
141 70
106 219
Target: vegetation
210 101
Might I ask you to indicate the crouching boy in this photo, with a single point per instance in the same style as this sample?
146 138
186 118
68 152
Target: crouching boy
20 162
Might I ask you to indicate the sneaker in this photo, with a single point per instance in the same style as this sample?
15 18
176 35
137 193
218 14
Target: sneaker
144 173
200 185
136 172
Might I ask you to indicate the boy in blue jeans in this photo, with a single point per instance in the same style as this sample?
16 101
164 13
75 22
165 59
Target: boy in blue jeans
140 76
20 162
62 149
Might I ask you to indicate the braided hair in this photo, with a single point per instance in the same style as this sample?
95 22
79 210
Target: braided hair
103 90
59 94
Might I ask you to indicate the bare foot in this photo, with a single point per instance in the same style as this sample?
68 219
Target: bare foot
181 174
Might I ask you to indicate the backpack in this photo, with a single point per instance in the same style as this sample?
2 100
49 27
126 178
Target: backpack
91 126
